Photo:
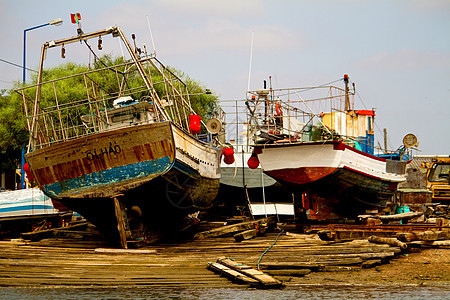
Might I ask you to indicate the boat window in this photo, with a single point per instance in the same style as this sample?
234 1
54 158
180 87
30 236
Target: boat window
439 173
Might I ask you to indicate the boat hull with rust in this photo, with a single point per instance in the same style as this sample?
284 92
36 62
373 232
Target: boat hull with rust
156 169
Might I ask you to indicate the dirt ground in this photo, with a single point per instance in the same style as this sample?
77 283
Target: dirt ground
424 267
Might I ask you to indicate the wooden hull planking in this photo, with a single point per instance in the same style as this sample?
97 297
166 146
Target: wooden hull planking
104 164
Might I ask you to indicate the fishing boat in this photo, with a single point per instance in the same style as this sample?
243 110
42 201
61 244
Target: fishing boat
327 157
25 210
124 151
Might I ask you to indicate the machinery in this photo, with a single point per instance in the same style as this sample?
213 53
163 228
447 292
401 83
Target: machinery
438 181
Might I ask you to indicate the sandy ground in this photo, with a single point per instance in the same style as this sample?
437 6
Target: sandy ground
424 267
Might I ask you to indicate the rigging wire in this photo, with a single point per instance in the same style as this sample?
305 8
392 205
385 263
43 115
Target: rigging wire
375 123
16 65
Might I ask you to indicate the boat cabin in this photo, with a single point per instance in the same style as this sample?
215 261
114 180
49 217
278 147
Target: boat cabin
357 125
125 112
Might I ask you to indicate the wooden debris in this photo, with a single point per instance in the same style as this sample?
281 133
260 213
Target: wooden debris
371 263
432 244
313 265
122 251
234 275
40 234
428 235
389 241
229 229
402 216
291 273
265 280
249 234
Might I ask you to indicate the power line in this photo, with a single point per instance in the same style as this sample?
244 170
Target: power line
9 82
16 65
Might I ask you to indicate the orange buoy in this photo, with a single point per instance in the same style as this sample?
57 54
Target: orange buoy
228 155
194 124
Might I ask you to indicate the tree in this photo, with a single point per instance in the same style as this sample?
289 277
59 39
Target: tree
13 130
13 134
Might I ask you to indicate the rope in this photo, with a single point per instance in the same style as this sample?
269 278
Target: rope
276 239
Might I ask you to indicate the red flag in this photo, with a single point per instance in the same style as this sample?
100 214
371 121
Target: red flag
75 18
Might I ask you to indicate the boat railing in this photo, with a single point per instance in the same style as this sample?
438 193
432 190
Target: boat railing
282 112
65 111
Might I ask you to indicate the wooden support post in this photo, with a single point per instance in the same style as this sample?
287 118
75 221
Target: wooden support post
119 210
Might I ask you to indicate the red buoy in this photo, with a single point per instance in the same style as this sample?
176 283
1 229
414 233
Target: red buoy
228 155
253 161
194 124
27 170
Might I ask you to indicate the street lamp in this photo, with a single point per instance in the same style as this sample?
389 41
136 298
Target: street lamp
56 22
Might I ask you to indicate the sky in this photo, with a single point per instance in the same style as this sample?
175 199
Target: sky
397 52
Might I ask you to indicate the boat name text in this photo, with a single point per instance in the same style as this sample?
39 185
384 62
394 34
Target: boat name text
96 153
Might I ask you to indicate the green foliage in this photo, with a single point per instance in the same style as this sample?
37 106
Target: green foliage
13 131
13 134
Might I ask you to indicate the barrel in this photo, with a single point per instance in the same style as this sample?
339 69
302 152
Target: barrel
402 209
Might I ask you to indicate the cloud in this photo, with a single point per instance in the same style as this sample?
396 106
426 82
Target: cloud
406 60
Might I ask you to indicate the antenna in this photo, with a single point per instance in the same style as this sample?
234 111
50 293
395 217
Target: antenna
250 66
151 35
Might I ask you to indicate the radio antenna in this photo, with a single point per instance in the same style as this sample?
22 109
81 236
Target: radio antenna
151 35
250 66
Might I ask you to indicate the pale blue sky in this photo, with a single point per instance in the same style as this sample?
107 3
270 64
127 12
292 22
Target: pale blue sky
397 52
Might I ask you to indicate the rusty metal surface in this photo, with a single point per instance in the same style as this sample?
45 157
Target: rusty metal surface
379 228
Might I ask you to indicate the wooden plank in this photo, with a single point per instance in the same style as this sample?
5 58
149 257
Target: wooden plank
389 241
248 234
292 272
371 263
122 251
266 280
268 222
433 244
402 216
311 264
234 275
120 223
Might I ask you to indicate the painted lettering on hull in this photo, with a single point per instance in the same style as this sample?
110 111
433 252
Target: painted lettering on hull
96 161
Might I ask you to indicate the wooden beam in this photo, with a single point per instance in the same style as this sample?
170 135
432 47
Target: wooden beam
118 209
229 229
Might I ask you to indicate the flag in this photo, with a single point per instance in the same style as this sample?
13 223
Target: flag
75 18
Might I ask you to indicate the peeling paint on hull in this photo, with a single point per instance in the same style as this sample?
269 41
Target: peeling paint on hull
104 164
108 178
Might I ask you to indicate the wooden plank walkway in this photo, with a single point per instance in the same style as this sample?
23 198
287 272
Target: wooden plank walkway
72 262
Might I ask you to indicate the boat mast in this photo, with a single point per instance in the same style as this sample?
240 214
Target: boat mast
347 92
114 31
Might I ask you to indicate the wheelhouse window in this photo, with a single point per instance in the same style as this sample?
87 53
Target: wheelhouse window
439 173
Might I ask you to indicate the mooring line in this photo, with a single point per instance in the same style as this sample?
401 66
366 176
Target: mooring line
276 239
